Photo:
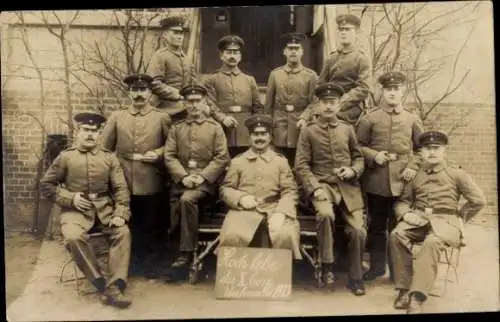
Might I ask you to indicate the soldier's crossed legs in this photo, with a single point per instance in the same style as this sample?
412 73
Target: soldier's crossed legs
75 238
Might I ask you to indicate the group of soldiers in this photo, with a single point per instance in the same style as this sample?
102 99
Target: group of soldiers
311 141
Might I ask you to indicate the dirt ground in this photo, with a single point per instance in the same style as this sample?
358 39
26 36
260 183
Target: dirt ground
32 281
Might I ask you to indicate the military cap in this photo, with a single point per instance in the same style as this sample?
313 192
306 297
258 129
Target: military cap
230 40
178 22
329 90
391 79
348 19
293 38
193 90
259 120
432 138
90 119
138 80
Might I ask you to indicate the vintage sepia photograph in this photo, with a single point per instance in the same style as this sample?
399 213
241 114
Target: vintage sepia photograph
249 161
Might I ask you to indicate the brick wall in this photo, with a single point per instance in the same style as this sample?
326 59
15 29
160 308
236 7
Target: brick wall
473 145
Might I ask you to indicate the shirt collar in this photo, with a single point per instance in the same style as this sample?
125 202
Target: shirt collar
435 168
94 150
324 124
346 50
393 109
295 70
266 156
179 53
235 71
199 120
143 111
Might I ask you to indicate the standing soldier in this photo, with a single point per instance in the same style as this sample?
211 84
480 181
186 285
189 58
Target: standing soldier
171 69
348 66
428 212
388 137
261 192
290 89
234 94
329 163
196 155
88 183
137 135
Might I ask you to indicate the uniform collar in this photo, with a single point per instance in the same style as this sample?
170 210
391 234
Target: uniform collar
393 109
324 124
435 168
266 156
347 50
295 70
236 71
199 120
83 150
143 111
179 52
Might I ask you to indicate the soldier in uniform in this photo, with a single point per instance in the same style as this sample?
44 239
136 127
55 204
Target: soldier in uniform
388 137
196 156
328 164
138 135
428 212
260 190
234 94
290 89
88 183
351 68
171 69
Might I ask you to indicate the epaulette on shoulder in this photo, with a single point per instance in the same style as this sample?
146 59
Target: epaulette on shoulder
71 148
277 68
106 150
309 70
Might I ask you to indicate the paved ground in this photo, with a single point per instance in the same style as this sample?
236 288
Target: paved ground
44 299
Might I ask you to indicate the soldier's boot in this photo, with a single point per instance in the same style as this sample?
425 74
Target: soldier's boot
357 287
115 296
179 269
378 263
402 300
328 276
416 303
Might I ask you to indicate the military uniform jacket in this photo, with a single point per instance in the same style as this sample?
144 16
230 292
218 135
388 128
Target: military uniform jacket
440 188
323 147
176 71
270 179
132 131
96 171
289 92
197 146
227 89
394 130
350 68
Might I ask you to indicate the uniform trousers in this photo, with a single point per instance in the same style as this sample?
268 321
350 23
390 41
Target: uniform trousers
415 272
77 243
380 221
355 229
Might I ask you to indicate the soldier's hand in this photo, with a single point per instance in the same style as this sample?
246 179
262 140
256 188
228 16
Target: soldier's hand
197 179
117 221
248 202
230 121
276 222
188 182
346 173
301 123
81 203
150 157
319 194
381 158
408 174
414 219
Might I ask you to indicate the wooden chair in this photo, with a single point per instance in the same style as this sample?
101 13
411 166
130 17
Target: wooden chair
99 244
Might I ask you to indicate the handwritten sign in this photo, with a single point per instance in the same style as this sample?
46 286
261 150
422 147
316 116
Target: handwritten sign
254 273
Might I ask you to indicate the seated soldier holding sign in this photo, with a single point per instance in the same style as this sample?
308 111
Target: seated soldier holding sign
260 190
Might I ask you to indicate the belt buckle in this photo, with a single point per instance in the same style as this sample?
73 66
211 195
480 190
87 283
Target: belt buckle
289 108
92 196
192 164
428 210
136 156
392 156
235 108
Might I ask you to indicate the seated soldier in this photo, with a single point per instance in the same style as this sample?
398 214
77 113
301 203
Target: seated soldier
427 213
328 164
195 155
95 197
260 190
